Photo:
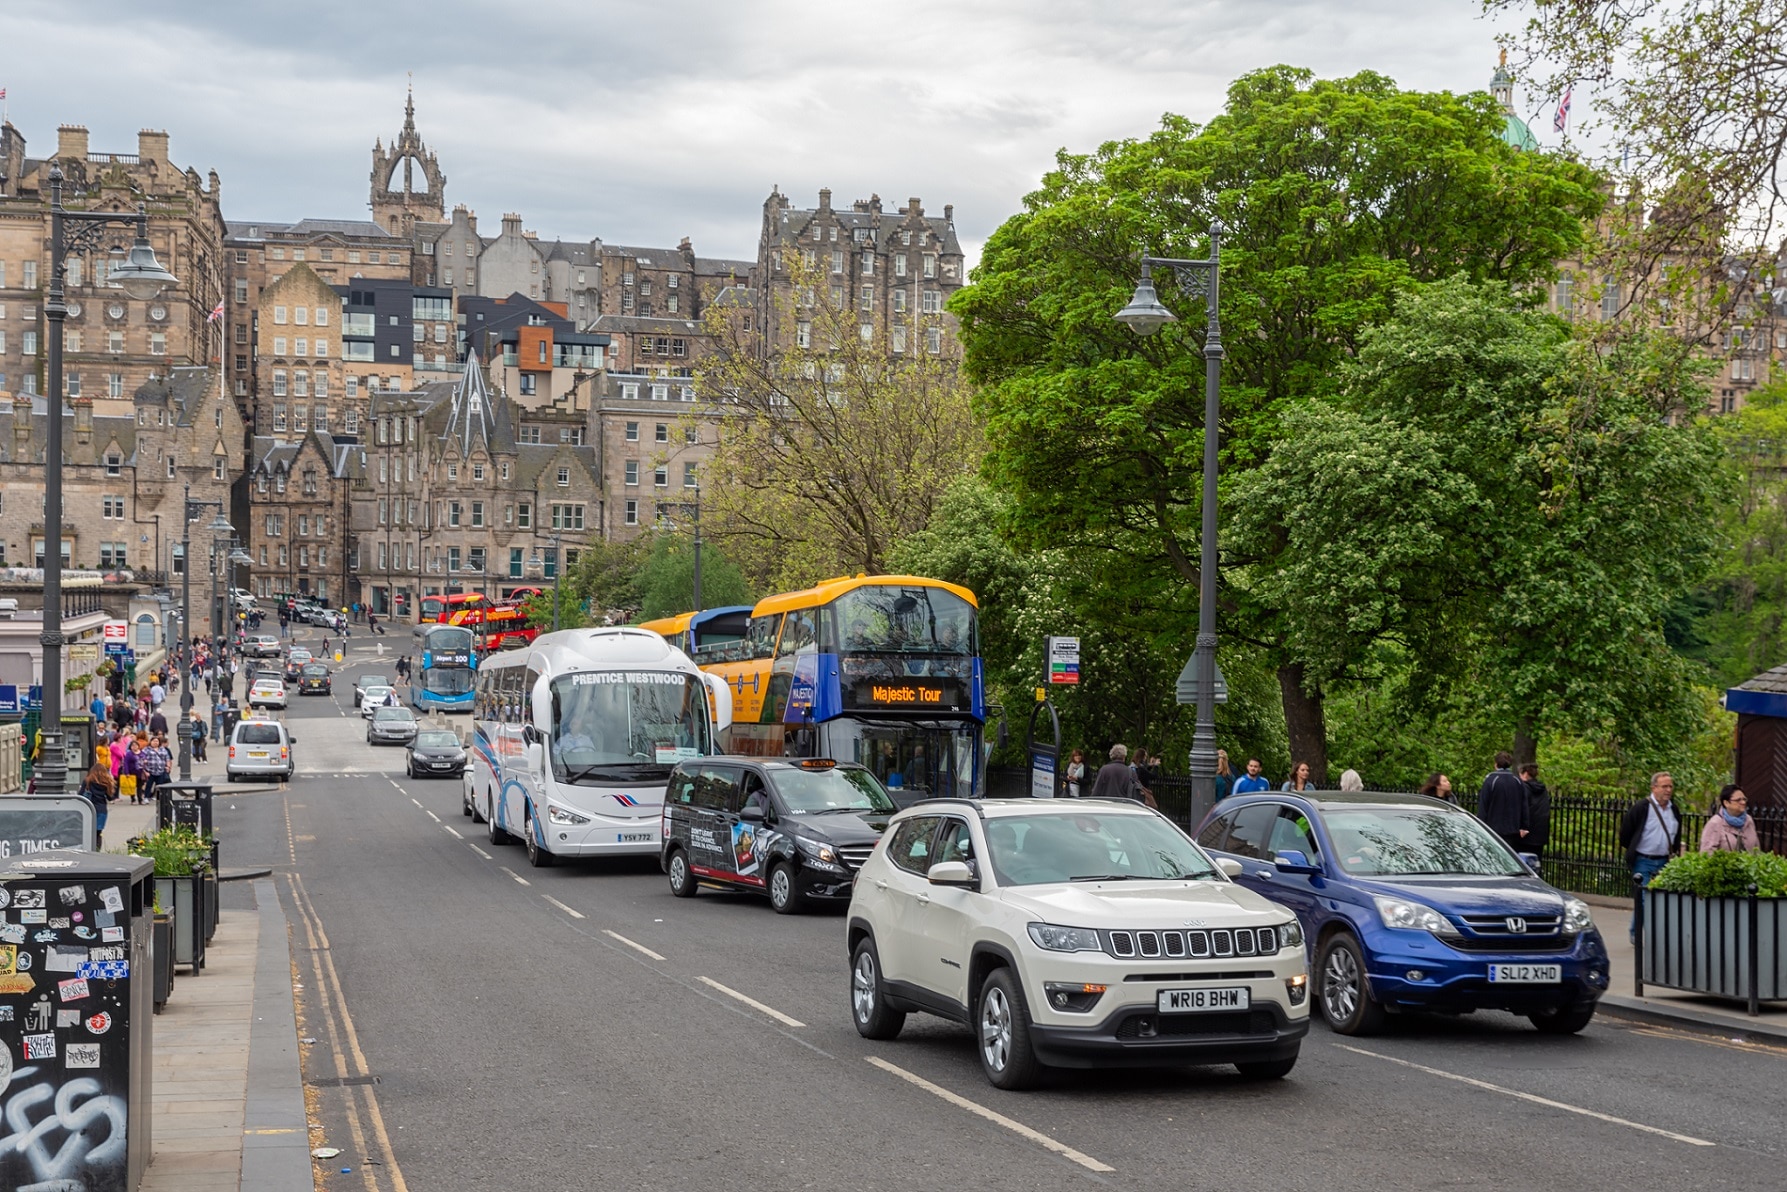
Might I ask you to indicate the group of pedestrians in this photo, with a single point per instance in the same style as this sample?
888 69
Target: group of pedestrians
1119 778
1513 802
1253 778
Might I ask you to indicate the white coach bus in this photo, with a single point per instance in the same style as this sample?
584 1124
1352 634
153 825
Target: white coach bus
574 737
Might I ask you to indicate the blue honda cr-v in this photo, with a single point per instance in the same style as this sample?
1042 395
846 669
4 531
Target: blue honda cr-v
1410 903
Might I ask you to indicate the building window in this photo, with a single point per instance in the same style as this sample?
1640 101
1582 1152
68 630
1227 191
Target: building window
452 558
474 558
934 341
477 514
663 432
524 515
661 476
930 264
112 507
564 478
632 513
217 468
453 513
241 290
803 335
688 475
310 482
114 464
933 302
529 386
633 472
515 562
632 432
171 468
567 517
477 471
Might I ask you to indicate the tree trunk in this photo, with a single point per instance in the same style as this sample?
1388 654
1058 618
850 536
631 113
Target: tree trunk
1305 723
1526 749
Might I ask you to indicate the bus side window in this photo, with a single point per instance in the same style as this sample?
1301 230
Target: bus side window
525 695
828 630
762 635
797 634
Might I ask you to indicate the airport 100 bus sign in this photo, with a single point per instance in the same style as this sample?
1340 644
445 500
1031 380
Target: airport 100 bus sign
1063 659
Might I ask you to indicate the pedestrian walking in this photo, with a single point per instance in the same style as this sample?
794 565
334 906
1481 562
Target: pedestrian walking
1502 803
99 789
1225 777
1253 780
1651 833
1438 786
218 708
1731 828
1350 782
153 765
1299 779
158 723
1538 811
196 727
1076 773
1115 779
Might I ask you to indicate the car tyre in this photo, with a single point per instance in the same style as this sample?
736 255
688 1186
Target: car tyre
1344 994
874 1018
465 801
1266 1069
784 894
476 812
1002 1033
538 857
1562 1020
682 876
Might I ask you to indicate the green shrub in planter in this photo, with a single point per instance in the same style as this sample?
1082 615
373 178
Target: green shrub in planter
177 850
1724 875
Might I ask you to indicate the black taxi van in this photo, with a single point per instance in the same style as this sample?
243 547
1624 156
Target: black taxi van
796 829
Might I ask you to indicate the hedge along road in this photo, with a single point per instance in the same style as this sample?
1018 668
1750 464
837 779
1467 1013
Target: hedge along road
662 1043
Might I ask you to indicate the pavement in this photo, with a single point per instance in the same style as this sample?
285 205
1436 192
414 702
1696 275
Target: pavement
1656 1004
472 1023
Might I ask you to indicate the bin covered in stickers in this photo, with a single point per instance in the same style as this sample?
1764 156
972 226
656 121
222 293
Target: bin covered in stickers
76 985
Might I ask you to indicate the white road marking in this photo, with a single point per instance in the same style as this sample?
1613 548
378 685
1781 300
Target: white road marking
514 875
417 802
573 913
431 815
455 832
998 1119
479 851
1536 1100
636 947
750 1001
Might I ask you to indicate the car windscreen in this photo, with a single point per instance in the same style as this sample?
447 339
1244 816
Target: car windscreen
1399 841
807 792
257 734
436 741
626 726
392 714
1031 850
315 671
367 681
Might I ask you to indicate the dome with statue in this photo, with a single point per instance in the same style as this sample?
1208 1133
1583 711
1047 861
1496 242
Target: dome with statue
1514 130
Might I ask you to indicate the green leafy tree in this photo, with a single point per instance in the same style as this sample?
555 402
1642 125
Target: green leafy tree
666 582
1338 196
1498 499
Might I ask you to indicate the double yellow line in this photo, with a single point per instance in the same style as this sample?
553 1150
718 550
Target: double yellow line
365 1122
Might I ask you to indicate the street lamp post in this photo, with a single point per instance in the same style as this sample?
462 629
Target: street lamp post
1145 315
219 525
141 277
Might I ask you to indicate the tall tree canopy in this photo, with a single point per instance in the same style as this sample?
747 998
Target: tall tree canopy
1338 196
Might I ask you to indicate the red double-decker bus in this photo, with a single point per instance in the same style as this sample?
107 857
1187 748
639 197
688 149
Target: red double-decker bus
494 626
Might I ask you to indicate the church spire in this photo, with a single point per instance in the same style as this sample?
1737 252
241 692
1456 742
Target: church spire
397 209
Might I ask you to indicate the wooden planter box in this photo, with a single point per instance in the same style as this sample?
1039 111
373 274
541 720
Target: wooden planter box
183 898
1723 947
162 949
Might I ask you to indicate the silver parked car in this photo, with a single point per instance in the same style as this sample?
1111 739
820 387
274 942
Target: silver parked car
261 749
391 726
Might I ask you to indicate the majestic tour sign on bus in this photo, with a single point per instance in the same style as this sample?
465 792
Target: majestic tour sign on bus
903 694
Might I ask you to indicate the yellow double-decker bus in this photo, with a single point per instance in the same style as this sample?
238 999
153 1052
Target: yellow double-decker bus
884 670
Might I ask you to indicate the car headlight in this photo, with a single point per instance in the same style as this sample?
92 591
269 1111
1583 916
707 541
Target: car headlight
822 853
1065 939
1290 935
1577 917
564 818
1398 912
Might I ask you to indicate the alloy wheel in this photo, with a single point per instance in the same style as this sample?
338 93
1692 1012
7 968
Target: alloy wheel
781 886
995 1029
862 986
1340 985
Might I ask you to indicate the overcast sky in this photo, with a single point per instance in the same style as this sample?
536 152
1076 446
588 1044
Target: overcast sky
644 123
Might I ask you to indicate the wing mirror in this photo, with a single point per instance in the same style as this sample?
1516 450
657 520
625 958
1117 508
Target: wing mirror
1530 860
1293 860
1229 866
530 735
952 873
752 813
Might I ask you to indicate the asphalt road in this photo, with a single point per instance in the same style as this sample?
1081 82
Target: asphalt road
480 1024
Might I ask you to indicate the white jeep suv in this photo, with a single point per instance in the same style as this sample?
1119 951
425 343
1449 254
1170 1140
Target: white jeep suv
1075 933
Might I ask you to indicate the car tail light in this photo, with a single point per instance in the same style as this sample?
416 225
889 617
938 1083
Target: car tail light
232 751
284 752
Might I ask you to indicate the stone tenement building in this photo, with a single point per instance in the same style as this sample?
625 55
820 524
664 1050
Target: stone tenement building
146 416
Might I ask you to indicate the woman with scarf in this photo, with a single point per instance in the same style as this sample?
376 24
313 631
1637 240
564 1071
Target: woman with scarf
1730 828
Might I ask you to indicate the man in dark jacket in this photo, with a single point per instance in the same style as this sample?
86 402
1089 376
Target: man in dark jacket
1538 810
1115 779
1501 803
1651 833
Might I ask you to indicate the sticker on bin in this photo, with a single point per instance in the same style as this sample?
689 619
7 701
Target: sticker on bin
81 1055
112 900
40 1047
105 970
72 990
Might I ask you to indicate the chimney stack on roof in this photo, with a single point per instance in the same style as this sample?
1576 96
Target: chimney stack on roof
71 141
824 197
152 146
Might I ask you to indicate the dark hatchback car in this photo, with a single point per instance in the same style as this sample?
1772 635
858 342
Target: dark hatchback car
1409 903
435 753
796 830
314 679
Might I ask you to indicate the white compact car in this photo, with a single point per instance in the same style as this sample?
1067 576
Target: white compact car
1074 933
375 697
267 693
259 748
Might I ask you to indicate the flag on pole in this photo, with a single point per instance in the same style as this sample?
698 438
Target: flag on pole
1561 122
216 312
